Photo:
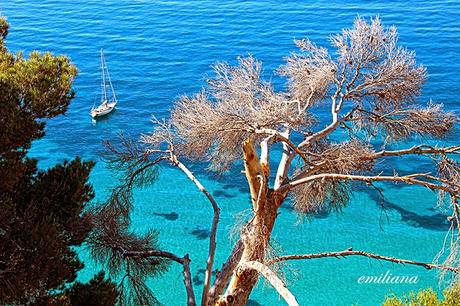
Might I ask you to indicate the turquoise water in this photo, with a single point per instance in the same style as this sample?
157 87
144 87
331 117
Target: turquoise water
158 50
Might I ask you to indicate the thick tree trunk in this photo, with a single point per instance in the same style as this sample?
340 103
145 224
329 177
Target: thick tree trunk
256 233
256 237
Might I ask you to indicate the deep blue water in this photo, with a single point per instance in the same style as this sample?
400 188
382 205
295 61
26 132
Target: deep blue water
159 50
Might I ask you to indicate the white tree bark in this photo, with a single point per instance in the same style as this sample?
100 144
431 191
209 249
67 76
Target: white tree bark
212 237
274 280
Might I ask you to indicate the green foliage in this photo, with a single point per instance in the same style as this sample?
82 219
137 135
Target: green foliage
3 29
112 236
41 220
427 297
31 90
42 213
98 292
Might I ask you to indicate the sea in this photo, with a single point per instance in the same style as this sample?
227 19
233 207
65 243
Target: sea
160 50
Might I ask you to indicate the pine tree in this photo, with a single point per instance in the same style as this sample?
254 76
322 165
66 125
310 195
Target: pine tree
42 212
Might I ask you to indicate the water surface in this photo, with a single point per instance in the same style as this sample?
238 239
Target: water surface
159 50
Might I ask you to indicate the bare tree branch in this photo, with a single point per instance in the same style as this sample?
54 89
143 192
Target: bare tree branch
276 282
420 149
335 109
408 179
350 252
265 154
253 169
223 277
215 221
360 158
184 261
164 134
285 162
281 137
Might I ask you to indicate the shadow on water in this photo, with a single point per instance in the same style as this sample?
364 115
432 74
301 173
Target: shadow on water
253 303
200 234
437 221
201 271
287 205
198 277
223 193
322 214
173 216
231 179
197 281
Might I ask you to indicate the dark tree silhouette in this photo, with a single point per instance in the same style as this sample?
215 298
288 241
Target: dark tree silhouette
42 213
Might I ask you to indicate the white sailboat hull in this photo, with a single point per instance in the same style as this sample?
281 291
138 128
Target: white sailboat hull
103 109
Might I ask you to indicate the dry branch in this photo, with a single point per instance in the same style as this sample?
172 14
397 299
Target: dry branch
215 222
184 261
420 149
253 170
408 179
224 275
276 282
350 252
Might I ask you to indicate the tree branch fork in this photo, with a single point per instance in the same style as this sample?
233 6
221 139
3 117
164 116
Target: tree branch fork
257 169
272 136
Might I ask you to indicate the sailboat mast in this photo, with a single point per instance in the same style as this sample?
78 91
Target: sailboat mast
104 87
110 82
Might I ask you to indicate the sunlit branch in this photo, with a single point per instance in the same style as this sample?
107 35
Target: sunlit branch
280 137
419 150
335 110
350 252
415 150
215 222
226 272
265 154
408 179
285 162
276 282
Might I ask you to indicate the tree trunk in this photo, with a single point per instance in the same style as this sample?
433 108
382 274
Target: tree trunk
256 237
256 233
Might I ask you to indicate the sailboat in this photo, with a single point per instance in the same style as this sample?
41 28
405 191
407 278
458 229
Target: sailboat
108 99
